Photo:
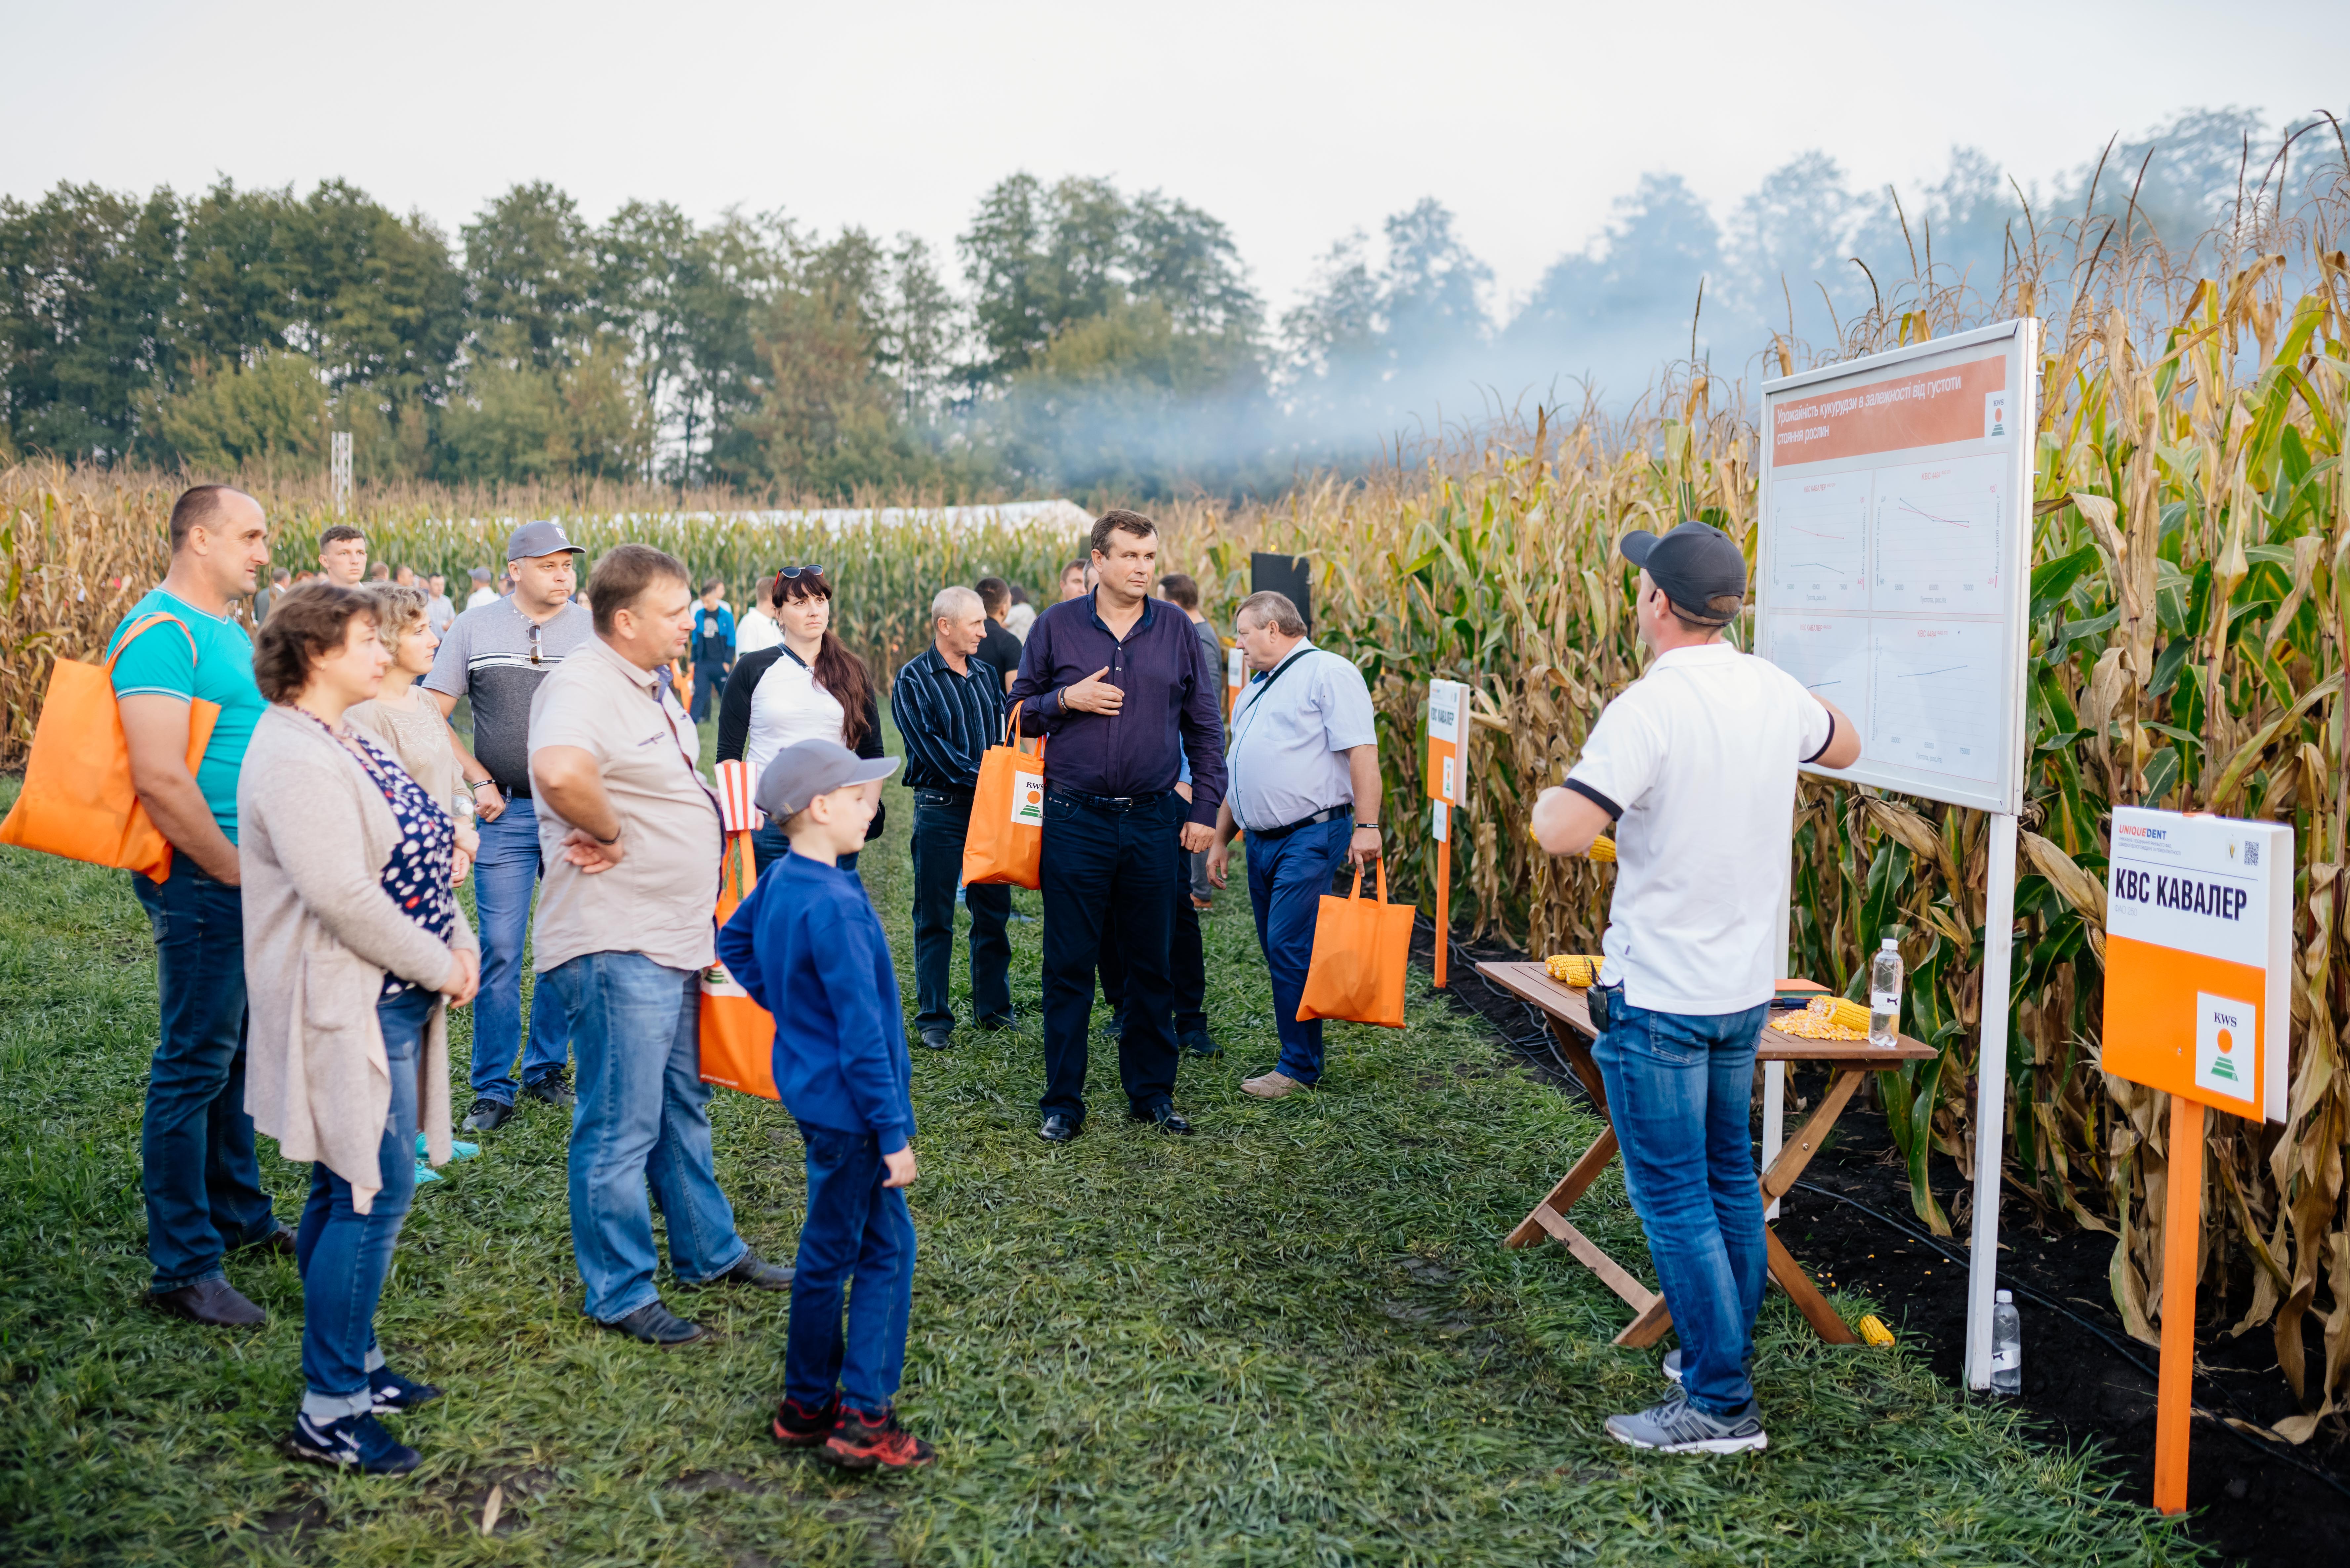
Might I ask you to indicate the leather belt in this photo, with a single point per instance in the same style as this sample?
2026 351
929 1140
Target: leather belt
1120 803
1327 813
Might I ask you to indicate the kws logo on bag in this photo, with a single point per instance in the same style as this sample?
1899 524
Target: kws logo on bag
1028 799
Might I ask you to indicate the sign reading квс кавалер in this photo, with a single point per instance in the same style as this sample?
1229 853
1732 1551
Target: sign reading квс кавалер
2199 942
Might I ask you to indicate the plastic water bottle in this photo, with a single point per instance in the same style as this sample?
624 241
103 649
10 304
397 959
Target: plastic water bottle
1884 997
2006 1346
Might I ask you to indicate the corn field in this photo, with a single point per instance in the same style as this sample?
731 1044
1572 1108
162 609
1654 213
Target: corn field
80 547
2189 594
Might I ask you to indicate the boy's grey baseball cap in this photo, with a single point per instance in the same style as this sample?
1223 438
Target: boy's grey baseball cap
800 773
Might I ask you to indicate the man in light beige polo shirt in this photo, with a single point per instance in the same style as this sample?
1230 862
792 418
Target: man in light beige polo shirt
629 834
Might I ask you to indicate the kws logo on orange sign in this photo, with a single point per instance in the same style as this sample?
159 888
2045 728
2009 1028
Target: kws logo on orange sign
2199 930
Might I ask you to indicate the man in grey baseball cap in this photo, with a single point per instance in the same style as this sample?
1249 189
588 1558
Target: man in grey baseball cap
496 654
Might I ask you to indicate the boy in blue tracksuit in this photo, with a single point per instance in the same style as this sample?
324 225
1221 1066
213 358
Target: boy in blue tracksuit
808 948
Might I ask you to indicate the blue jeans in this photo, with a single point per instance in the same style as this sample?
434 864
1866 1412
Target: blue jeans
643 1115
1287 878
857 1227
196 1163
1679 1083
343 1254
504 875
768 845
940 821
1095 859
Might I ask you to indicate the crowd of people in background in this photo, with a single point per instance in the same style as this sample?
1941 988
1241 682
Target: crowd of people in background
310 941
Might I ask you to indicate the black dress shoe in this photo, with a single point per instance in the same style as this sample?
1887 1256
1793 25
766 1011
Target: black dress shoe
936 1038
1000 1022
1165 1116
213 1302
755 1272
653 1324
488 1114
1199 1042
1058 1129
279 1240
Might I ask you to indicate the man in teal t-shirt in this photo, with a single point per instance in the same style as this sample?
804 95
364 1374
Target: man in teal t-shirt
201 1182
213 660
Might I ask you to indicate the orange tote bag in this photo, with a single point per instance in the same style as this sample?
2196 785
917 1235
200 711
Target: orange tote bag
1361 947
1005 841
738 1035
77 801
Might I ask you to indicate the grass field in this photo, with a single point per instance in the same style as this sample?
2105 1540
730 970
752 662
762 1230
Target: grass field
1291 1338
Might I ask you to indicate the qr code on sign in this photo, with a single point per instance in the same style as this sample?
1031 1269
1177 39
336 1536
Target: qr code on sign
2251 854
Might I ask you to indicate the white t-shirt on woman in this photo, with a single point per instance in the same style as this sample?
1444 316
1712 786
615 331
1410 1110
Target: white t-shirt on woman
787 707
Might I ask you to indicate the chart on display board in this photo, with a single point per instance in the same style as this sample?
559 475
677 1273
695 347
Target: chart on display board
1893 563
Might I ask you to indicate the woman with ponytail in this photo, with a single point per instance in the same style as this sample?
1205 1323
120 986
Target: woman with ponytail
808 688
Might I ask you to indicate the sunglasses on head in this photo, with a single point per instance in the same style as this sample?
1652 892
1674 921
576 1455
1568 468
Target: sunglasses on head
801 572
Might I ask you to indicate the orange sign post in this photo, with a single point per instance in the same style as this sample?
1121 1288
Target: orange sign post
2199 933
1448 786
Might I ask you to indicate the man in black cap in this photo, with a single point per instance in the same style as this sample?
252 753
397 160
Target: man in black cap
1695 763
496 653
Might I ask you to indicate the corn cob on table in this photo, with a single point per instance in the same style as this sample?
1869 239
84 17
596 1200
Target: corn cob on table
1824 1034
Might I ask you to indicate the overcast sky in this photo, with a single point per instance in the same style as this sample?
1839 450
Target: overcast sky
1294 123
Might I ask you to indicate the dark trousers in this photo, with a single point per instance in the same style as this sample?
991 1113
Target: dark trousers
1187 956
940 821
709 683
856 1230
1096 859
196 1162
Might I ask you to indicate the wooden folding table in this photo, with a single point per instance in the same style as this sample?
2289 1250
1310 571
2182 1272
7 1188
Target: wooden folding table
1570 1022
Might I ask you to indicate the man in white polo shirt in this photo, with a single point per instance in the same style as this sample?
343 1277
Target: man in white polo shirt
1304 761
1695 763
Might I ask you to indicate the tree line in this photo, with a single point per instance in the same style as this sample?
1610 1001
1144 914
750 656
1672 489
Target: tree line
1091 339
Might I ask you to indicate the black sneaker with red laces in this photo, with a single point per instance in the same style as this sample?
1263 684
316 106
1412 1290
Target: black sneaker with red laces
863 1442
798 1426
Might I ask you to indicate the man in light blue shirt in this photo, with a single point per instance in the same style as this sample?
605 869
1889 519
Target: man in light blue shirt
1304 766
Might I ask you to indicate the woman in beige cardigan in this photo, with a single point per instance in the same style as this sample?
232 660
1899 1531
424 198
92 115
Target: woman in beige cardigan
352 939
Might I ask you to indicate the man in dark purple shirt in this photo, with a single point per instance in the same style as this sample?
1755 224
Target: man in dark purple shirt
1119 682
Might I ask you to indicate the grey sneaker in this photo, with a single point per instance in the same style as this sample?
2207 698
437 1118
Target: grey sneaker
1673 1366
1674 1426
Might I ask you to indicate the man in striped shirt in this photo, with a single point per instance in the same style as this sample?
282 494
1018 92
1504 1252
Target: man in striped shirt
948 704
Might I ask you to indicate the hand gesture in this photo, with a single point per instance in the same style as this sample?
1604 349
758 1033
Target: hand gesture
590 854
464 976
1093 694
1198 836
901 1165
1220 864
488 804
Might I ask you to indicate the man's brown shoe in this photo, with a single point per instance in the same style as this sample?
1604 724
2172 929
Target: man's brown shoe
213 1302
280 1240
1271 1086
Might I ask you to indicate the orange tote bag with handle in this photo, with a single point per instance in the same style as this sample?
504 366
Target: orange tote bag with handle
77 801
738 1035
1361 947
1005 841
